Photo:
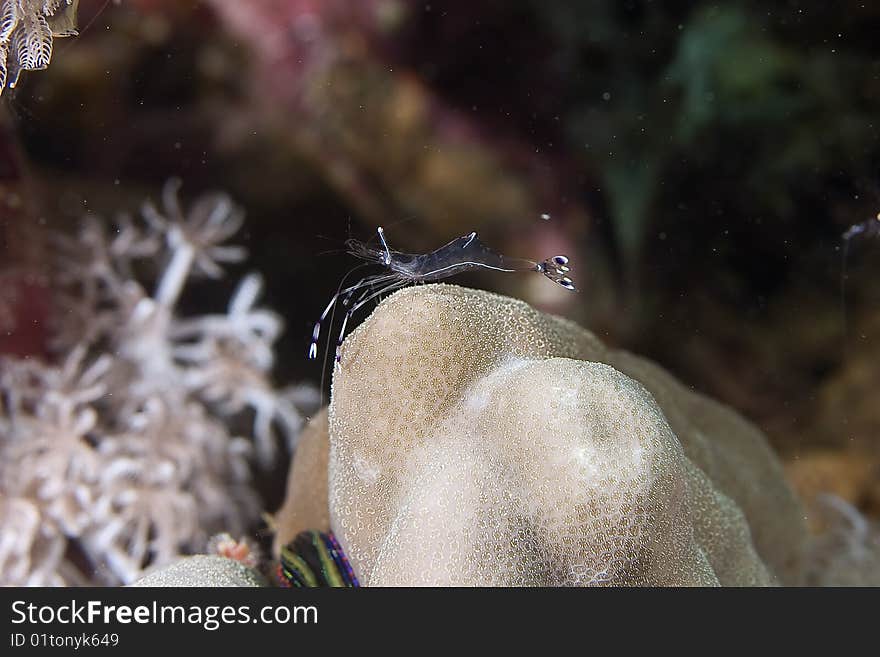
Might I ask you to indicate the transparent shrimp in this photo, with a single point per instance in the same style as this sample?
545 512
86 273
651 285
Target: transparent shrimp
401 269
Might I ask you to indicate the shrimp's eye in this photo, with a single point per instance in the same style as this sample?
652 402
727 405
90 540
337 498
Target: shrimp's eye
560 260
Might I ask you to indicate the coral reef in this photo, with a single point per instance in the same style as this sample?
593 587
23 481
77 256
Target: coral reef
473 440
138 444
27 31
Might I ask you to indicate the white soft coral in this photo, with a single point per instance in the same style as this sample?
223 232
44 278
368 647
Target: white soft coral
124 448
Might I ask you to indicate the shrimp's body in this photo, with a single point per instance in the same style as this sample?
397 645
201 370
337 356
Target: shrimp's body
462 254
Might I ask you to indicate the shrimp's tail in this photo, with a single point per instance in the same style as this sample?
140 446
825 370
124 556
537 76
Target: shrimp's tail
556 269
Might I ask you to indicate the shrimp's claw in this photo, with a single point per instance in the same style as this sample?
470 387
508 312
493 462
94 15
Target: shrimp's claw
556 269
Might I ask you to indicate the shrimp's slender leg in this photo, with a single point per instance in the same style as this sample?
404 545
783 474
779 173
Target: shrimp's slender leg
364 282
369 289
368 285
388 288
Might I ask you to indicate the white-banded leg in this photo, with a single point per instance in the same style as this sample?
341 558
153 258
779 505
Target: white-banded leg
345 301
359 304
367 282
366 289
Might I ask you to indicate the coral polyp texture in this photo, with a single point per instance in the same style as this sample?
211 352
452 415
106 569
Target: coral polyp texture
473 440
138 441
27 32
